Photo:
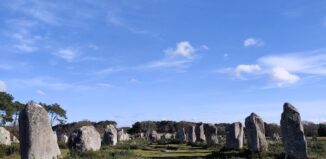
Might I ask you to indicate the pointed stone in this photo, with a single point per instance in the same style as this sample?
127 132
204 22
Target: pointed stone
110 135
234 136
255 133
294 141
37 139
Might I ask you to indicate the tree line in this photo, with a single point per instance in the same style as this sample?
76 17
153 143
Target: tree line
10 109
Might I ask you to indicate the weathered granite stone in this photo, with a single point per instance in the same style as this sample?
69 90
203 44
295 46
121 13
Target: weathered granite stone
211 134
4 136
168 136
14 140
294 141
191 134
200 133
234 136
276 137
123 136
181 135
63 138
255 133
84 139
110 135
37 140
153 136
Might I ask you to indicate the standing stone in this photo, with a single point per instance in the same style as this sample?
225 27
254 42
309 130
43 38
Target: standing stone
84 139
234 136
294 141
123 136
37 140
153 136
181 135
200 133
255 133
275 137
191 134
4 136
168 136
110 135
63 138
211 134
14 140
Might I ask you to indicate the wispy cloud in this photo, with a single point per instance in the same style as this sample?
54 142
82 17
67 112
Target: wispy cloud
40 92
3 86
240 69
176 59
67 54
284 69
250 42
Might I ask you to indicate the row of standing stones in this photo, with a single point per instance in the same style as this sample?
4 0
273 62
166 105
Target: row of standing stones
37 140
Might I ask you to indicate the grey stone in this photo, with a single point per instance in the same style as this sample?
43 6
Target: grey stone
234 136
168 136
14 140
211 134
181 135
63 138
123 136
255 133
84 139
200 133
37 140
110 135
191 134
294 140
4 136
153 136
276 137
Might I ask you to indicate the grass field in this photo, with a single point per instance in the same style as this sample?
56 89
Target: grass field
140 149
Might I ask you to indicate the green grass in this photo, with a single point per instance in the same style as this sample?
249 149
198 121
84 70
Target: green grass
143 149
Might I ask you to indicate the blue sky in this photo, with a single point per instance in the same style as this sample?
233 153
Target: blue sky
210 61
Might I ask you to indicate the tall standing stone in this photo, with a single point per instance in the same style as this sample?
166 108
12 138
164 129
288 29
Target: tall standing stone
191 134
37 139
181 135
255 133
84 139
294 141
234 136
200 133
110 135
4 136
211 134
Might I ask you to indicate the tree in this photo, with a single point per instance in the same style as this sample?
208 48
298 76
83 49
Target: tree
17 106
56 113
6 107
322 130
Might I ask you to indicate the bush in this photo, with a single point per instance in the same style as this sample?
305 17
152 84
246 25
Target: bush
9 150
322 130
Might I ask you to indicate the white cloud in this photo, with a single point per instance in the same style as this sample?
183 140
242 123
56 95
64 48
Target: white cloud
67 54
282 76
40 92
246 69
3 86
252 42
309 63
183 49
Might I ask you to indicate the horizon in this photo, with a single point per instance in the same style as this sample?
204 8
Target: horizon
128 61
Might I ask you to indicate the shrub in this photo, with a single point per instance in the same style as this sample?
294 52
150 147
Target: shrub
9 150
